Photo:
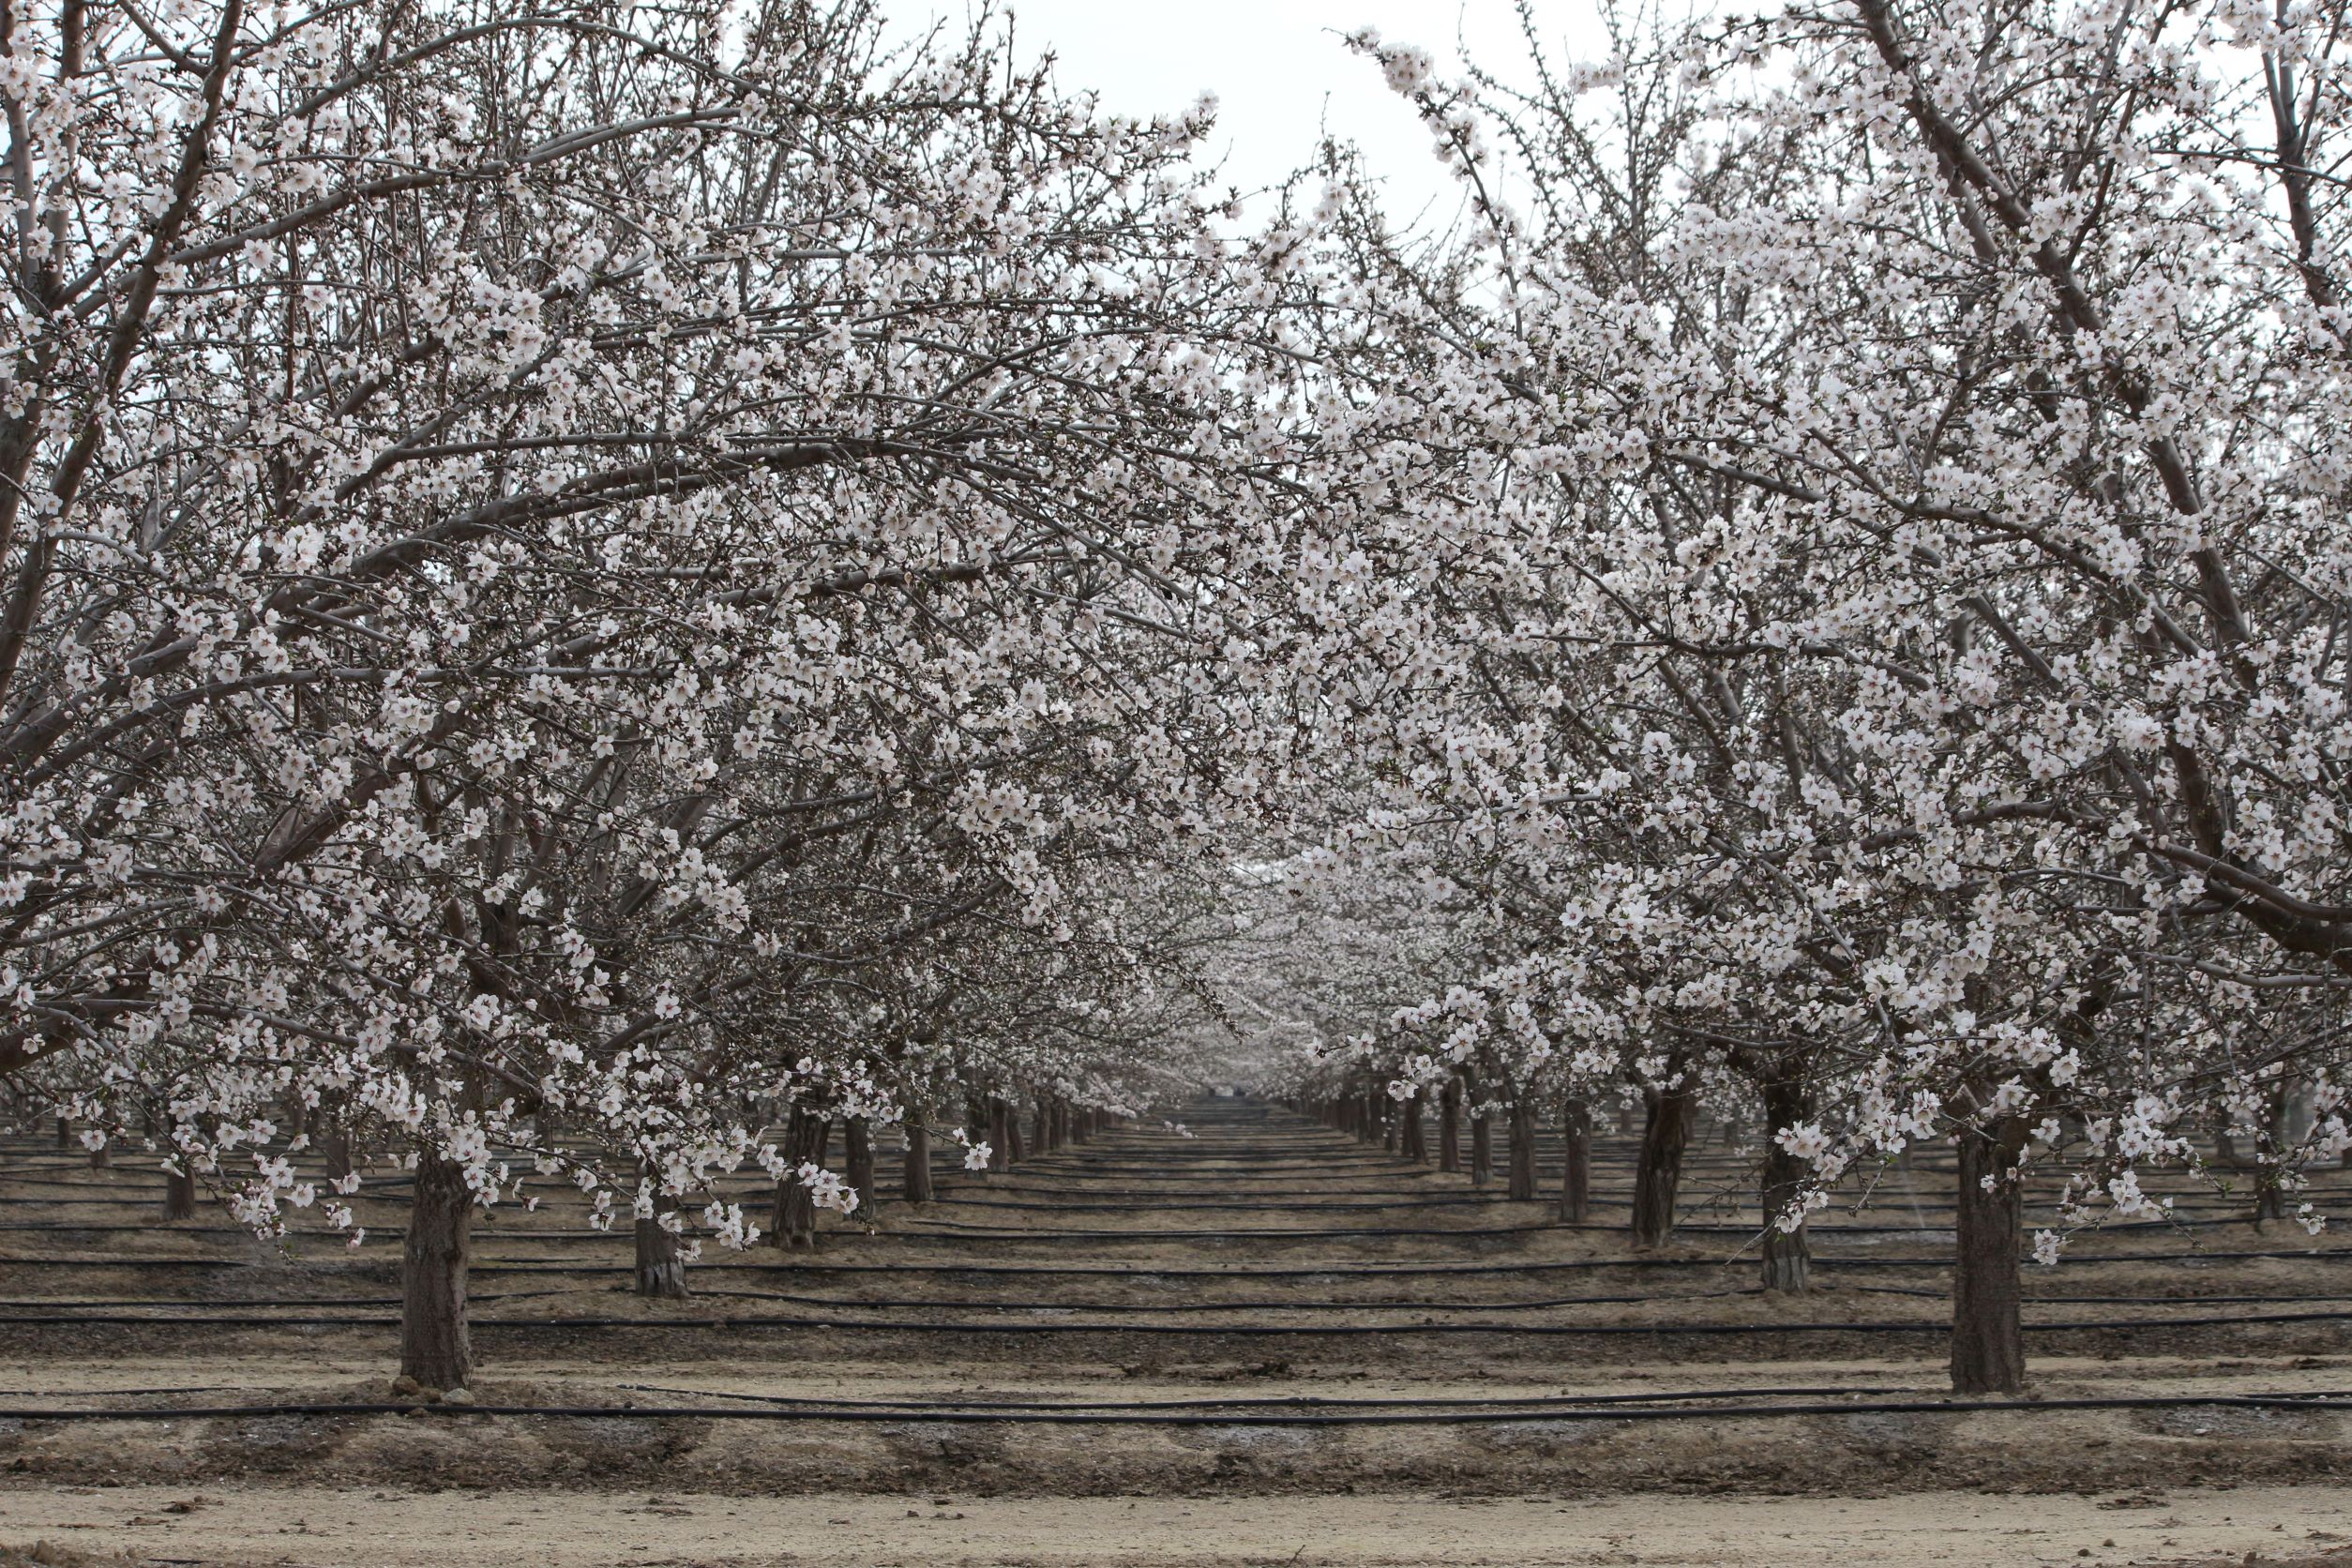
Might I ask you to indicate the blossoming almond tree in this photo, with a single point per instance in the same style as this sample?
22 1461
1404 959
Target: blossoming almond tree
537 543
1927 445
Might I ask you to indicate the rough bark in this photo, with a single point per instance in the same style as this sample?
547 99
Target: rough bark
1450 1126
179 1192
1658 1173
1482 1150
435 1347
2270 1201
1575 1176
1787 1254
857 1154
919 1170
807 1136
660 1256
1521 1169
1416 1136
335 1149
1988 1342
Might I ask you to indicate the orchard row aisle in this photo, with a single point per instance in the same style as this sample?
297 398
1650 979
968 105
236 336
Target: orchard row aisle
1237 1299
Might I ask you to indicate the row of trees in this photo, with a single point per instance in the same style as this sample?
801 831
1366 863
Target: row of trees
1891 667
576 575
575 579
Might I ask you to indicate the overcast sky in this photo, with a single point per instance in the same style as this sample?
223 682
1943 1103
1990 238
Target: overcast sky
1279 70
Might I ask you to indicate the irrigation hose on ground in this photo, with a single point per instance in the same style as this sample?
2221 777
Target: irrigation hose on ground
2328 1400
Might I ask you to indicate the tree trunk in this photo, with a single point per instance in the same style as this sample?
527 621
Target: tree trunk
807 1137
1015 1149
1575 1176
1787 1254
1658 1176
297 1116
1521 1175
660 1261
660 1257
102 1156
1416 1137
918 1172
1450 1126
179 1192
1988 1343
65 1133
1041 1140
435 1347
857 1152
1482 1159
335 1149
1392 1125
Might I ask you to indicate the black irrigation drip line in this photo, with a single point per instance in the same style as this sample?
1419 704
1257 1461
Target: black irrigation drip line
1289 1402
2070 1300
127 1393
30 1304
1200 1331
885 1302
951 1230
1081 1197
35 1304
2197 1214
2320 1401
1258 1163
1821 1221
896 1302
1296 1206
140 1264
1132 1271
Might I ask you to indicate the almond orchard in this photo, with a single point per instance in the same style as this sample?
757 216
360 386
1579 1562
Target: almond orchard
725 623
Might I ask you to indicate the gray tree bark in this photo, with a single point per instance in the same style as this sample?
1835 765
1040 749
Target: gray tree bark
1658 1175
1575 1176
436 1348
1988 1341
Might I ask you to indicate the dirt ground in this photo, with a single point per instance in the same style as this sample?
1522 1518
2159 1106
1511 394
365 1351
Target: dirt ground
393 1528
1253 1280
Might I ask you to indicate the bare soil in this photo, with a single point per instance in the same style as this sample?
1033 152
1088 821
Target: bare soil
1242 1272
398 1529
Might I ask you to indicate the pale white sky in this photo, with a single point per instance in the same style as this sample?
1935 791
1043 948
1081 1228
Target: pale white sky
1280 72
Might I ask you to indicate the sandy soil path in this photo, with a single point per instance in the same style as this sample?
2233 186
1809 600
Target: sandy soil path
254 1525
